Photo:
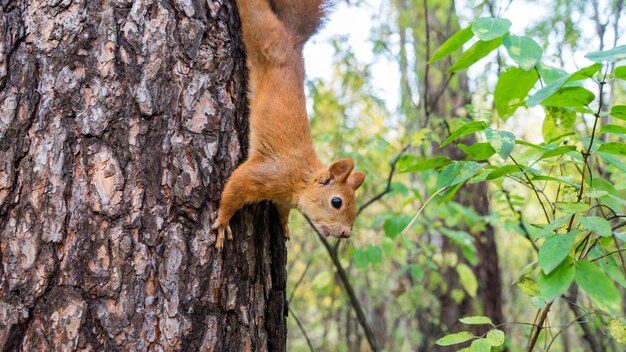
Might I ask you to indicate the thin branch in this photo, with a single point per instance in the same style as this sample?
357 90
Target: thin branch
345 282
535 333
387 189
293 290
619 225
533 187
520 220
608 254
302 329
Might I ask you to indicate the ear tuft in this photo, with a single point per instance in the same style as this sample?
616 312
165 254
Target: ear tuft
341 169
356 179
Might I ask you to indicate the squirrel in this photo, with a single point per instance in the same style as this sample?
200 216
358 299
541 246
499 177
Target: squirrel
282 165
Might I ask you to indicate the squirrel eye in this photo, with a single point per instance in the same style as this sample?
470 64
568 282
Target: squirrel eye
336 202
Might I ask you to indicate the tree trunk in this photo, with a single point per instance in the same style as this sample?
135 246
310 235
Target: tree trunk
119 123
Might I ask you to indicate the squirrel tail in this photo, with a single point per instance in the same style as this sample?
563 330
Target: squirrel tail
271 27
302 18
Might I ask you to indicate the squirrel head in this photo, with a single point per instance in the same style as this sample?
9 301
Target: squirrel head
328 200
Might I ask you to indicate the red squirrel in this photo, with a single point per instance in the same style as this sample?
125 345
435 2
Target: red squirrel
282 165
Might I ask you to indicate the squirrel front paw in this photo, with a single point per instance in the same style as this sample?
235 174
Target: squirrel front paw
221 228
285 231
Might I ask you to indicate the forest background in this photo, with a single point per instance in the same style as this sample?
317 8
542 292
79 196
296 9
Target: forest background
496 168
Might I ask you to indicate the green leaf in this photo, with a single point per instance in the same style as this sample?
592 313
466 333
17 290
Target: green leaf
495 337
523 50
613 148
597 224
553 226
360 259
616 129
477 151
457 173
503 171
528 286
585 72
619 112
546 92
476 320
570 97
572 207
374 254
620 72
609 264
468 279
420 164
554 250
557 124
550 74
502 141
394 225
453 339
558 151
512 89
452 44
558 281
476 52
612 55
464 130
488 28
598 287
480 345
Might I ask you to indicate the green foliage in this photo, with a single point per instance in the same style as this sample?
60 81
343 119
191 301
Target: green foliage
523 50
554 250
553 175
571 174
511 90
454 339
476 52
556 283
476 320
598 286
490 28
612 55
464 130
453 44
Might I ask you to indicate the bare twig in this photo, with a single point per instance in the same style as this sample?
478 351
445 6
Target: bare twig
345 282
293 290
520 220
387 189
406 229
533 187
306 337
608 254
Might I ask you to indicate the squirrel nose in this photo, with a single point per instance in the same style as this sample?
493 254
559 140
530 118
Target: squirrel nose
346 233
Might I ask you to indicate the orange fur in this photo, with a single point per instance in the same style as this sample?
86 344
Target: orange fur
282 164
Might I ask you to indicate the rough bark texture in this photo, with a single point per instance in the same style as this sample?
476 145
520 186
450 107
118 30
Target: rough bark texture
119 122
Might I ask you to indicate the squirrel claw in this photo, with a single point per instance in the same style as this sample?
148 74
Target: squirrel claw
219 240
286 233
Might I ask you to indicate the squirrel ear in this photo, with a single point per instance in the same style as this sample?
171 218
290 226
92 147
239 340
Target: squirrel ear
356 179
325 178
341 169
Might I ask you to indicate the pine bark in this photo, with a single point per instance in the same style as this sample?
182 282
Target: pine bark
120 121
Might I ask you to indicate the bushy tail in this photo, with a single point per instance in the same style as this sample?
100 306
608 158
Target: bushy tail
301 17
271 27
